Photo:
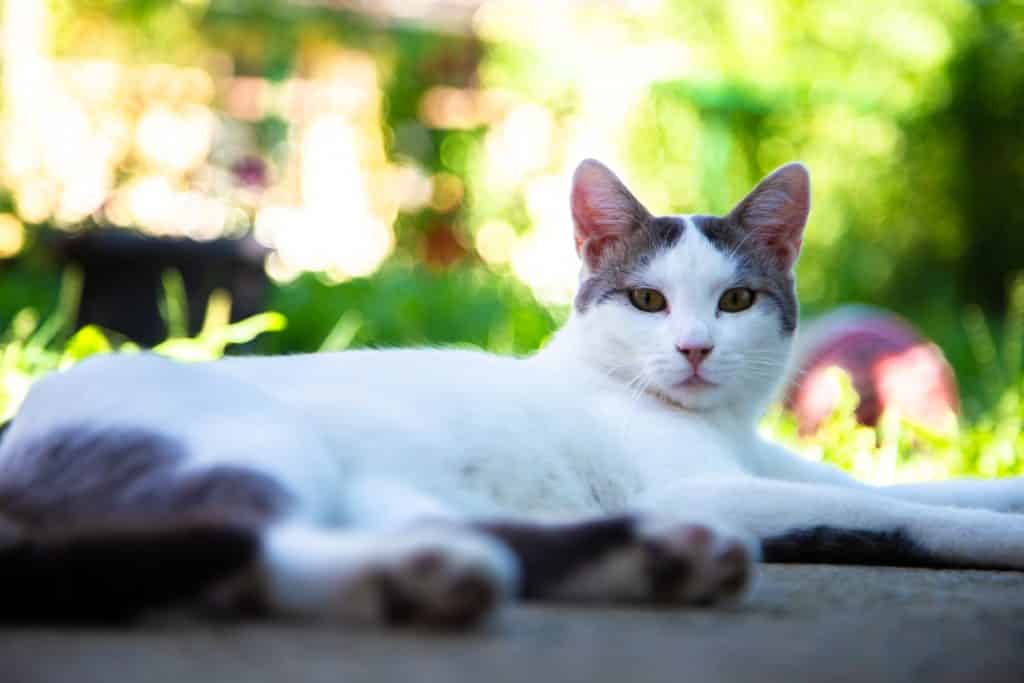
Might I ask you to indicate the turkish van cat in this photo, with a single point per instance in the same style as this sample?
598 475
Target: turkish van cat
620 463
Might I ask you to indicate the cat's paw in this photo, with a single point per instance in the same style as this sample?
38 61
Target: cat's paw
447 580
667 563
694 563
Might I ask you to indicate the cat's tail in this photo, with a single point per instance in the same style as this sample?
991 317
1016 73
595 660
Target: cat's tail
116 572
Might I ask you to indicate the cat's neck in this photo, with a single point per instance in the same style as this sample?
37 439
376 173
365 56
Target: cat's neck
569 355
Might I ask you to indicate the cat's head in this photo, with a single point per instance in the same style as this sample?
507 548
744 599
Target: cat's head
700 310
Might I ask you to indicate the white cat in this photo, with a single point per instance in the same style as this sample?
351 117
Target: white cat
619 463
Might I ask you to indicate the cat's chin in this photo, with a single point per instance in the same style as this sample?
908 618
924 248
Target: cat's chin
696 396
694 383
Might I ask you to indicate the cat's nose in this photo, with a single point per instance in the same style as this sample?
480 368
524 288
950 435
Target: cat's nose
695 354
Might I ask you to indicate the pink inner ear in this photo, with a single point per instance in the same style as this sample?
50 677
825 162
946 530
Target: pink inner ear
593 249
582 215
776 212
785 251
781 239
603 210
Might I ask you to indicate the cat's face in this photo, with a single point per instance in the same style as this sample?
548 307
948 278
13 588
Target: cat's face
700 310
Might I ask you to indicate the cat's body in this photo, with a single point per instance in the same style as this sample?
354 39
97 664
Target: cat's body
621 462
475 430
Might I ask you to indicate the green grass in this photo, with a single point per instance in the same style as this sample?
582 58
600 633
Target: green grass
32 347
898 450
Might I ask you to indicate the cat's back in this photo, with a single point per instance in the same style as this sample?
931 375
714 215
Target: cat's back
328 388
413 390
332 376
353 401
332 385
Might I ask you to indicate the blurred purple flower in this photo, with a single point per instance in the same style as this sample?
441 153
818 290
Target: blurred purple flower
251 171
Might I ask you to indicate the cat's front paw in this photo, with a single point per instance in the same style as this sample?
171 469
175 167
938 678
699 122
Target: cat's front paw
694 563
667 563
447 580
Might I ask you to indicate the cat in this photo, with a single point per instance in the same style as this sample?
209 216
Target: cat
620 463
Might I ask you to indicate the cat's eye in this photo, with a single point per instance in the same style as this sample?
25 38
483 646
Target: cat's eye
736 299
647 299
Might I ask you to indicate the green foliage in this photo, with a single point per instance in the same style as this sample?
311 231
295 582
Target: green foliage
27 346
30 348
402 306
216 333
88 341
899 450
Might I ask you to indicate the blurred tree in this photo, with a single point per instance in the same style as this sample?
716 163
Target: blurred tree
984 120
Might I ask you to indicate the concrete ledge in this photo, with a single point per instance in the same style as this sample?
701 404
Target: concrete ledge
803 623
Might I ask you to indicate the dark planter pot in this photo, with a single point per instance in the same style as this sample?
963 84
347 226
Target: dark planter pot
123 270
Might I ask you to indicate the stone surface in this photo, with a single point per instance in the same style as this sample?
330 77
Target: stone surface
801 624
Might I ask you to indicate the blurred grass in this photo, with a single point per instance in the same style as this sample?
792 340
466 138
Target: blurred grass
31 346
403 306
898 450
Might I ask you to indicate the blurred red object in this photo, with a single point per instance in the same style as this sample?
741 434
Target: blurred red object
251 171
892 367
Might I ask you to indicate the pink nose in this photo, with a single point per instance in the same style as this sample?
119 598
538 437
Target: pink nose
695 354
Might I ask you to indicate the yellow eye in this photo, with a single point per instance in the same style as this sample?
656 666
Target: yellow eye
736 299
647 300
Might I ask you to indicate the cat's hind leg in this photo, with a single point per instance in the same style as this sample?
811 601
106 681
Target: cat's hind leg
628 559
108 525
116 572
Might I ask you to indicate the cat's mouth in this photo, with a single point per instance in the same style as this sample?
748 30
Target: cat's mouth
695 381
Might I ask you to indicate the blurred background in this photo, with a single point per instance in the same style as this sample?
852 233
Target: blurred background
278 176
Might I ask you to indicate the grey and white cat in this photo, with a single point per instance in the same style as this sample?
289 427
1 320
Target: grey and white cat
619 463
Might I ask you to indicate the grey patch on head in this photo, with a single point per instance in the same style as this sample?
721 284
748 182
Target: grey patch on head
628 256
755 267
83 475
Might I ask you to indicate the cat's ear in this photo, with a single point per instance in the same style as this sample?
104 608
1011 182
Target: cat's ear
775 213
603 210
